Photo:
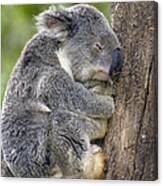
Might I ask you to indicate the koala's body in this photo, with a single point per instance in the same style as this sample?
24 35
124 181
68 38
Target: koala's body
48 117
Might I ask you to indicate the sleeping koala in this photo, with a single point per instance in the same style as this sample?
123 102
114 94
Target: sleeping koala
48 117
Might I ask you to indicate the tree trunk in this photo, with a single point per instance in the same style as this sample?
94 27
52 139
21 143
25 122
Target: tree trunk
131 143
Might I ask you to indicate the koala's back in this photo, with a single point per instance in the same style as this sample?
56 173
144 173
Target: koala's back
25 130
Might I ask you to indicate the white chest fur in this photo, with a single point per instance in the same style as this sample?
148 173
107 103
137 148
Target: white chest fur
64 62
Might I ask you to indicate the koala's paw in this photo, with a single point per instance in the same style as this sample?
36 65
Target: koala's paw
100 158
95 163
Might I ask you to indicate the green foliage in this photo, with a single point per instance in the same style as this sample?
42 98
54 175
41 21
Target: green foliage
17 27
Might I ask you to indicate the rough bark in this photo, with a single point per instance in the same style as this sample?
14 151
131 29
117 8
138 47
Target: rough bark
131 143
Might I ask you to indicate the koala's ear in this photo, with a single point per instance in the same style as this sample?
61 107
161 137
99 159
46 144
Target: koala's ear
58 23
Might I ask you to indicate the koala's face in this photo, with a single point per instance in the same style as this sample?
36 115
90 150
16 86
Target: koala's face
91 49
89 44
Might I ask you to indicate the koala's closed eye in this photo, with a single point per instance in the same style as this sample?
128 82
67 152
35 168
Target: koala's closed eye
98 47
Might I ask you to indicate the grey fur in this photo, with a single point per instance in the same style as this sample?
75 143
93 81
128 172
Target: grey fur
48 118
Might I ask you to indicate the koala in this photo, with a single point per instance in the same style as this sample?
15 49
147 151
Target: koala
49 117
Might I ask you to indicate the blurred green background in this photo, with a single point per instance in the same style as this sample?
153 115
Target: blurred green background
17 27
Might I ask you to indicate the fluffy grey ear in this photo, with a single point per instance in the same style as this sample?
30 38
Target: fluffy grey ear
58 23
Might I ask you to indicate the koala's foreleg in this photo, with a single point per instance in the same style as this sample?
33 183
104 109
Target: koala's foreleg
75 96
90 104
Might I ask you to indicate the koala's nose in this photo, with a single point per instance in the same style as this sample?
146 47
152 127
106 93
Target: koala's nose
117 62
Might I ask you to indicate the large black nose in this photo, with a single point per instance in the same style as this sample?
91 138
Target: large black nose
117 62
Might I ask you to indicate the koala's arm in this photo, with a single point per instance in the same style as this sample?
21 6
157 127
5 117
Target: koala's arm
59 89
93 105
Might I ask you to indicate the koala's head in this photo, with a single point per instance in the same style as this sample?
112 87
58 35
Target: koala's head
88 44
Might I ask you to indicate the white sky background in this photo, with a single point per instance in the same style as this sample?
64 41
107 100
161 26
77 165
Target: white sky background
54 182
